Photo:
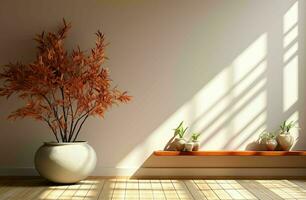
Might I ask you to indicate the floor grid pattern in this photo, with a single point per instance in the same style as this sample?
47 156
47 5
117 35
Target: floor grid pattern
134 189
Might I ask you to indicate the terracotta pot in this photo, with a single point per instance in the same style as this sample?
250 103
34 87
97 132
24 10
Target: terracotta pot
286 141
271 144
65 162
179 144
196 146
188 146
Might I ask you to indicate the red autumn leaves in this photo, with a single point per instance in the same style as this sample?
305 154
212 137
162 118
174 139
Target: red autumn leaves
62 89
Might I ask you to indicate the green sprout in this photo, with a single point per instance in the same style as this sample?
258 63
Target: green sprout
195 136
180 130
286 127
265 135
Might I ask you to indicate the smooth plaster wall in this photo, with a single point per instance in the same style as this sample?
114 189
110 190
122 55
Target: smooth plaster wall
229 69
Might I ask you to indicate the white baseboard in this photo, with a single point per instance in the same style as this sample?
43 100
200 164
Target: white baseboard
176 172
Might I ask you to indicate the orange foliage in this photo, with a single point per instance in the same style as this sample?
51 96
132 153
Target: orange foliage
62 89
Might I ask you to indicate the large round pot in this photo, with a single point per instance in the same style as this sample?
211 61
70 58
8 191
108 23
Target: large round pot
285 141
65 162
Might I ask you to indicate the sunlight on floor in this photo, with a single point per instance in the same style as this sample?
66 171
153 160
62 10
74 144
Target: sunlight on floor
132 189
284 189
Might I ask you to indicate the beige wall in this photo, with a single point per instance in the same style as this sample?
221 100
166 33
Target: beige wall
229 69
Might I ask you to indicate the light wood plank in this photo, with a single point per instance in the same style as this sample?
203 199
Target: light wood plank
26 188
95 190
169 190
158 192
133 189
56 192
69 192
145 189
119 190
107 190
5 190
258 190
194 189
181 190
38 191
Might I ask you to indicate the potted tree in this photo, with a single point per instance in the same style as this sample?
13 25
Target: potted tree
63 90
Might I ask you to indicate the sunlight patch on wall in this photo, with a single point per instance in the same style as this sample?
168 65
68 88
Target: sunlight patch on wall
290 57
290 36
251 118
295 131
229 111
217 89
290 52
246 80
256 80
159 138
249 132
249 96
291 17
248 59
290 77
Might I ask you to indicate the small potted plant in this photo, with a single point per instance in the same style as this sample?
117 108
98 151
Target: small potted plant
63 90
284 138
179 142
269 140
188 146
195 141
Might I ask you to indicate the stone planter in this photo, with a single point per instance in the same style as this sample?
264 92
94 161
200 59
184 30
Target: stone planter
270 144
285 141
188 146
196 146
179 144
65 162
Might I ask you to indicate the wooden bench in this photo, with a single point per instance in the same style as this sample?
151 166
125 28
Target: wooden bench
248 164
230 153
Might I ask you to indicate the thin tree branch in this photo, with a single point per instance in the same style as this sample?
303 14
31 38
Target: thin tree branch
64 113
49 124
55 116
72 118
80 127
78 120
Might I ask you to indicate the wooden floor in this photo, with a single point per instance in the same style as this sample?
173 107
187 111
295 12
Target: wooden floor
154 189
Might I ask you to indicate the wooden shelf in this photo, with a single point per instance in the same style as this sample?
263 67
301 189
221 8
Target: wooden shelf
230 153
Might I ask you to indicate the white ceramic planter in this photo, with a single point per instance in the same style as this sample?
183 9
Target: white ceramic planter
270 144
188 146
285 141
196 146
65 162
